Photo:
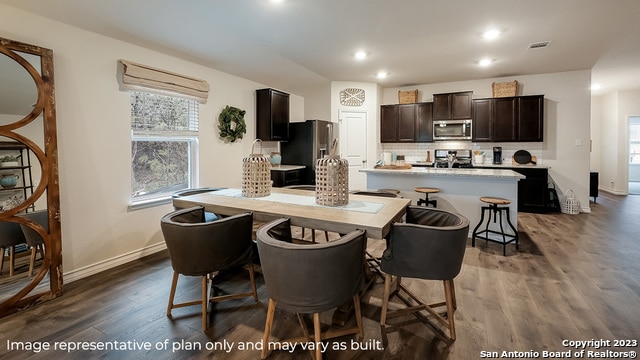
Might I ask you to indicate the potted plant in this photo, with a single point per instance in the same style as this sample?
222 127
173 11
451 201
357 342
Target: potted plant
8 161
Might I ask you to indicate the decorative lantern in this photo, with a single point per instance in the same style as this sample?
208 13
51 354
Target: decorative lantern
332 179
256 174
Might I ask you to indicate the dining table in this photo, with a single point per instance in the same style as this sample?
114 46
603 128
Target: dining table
372 214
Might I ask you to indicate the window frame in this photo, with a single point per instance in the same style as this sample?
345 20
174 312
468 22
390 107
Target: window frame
190 137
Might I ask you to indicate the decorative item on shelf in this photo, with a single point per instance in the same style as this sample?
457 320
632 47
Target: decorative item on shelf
408 96
505 89
275 159
9 180
12 202
570 205
8 161
352 97
231 123
256 174
332 179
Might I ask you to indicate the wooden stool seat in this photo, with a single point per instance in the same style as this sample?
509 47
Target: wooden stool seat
494 200
426 191
495 208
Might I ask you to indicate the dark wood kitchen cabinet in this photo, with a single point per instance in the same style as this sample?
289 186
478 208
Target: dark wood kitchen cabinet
509 119
532 191
482 120
452 106
406 122
272 115
287 177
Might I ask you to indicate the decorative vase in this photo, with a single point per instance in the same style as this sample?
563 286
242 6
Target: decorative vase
9 180
275 159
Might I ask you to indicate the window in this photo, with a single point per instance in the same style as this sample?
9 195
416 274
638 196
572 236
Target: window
164 140
634 140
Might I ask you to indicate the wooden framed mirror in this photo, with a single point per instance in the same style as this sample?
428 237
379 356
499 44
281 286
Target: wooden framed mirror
30 235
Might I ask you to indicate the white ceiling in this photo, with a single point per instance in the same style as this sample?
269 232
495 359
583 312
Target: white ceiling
300 44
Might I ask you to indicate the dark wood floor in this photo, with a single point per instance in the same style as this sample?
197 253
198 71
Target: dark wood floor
576 277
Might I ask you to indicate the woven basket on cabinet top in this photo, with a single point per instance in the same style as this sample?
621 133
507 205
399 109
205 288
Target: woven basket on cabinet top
505 89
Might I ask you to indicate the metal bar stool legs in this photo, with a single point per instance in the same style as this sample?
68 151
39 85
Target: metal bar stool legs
495 210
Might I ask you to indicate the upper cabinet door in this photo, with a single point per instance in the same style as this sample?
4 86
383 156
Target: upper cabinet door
406 123
388 123
461 105
424 122
530 118
272 115
452 106
482 119
504 124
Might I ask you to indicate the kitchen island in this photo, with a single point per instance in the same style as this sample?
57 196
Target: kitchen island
460 189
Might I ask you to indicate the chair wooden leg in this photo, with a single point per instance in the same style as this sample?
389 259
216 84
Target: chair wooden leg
358 313
453 295
12 260
449 294
271 310
385 305
253 281
2 250
32 260
205 301
317 334
326 235
172 292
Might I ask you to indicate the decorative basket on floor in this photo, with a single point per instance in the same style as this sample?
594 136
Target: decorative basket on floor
505 89
332 179
570 205
408 97
256 174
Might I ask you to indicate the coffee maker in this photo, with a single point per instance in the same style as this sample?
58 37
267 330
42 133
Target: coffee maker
497 154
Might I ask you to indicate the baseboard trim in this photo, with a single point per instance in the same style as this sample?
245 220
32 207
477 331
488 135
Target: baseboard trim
613 191
98 267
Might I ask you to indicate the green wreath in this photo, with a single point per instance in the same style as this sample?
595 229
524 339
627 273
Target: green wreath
231 123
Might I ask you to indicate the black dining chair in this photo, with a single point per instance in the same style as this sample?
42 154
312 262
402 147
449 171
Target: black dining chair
33 239
208 216
199 248
10 236
431 246
310 279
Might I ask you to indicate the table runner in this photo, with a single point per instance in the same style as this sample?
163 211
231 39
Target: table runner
353 205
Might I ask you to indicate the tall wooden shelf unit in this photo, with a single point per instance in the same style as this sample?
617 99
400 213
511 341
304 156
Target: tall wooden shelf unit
25 183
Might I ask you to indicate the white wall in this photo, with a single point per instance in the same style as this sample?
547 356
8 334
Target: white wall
567 120
98 229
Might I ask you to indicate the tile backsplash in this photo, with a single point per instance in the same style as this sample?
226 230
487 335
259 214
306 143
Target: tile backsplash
418 151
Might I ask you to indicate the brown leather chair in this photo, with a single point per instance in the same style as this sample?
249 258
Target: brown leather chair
10 236
199 248
310 278
33 239
431 246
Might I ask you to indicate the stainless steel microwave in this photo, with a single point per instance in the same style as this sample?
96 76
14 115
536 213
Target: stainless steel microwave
452 130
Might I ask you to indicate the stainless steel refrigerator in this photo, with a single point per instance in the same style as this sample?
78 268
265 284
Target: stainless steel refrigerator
308 141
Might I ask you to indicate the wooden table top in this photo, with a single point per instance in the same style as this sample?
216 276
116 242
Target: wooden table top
341 220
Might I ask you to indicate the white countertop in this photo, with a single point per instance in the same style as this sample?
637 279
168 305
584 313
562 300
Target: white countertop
457 172
287 167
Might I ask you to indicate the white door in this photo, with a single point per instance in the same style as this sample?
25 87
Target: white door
353 146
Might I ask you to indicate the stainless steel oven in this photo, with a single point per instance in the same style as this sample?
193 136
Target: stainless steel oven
452 130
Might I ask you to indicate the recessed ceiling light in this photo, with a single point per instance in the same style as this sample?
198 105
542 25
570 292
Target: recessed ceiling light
485 62
596 86
360 55
382 75
276 1
491 34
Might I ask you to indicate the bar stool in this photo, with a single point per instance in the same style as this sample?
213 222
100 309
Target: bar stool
496 207
426 191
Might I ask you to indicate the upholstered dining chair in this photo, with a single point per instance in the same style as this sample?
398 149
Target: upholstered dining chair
208 216
10 236
199 248
33 239
310 278
310 188
430 246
